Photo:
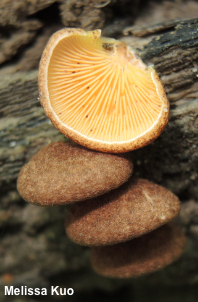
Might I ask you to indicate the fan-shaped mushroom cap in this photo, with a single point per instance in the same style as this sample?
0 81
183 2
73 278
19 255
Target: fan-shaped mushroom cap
140 256
63 173
136 208
99 94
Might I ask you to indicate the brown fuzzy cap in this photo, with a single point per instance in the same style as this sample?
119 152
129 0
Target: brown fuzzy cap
63 173
140 256
134 209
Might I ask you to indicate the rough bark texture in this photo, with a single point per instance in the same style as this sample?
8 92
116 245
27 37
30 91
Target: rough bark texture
34 249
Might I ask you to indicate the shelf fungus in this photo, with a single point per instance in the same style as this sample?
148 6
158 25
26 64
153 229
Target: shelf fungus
64 172
99 93
132 210
140 256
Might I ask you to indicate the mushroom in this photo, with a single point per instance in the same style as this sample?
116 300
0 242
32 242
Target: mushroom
140 256
64 172
137 207
99 93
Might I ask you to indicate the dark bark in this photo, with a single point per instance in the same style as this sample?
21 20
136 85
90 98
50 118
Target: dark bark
171 161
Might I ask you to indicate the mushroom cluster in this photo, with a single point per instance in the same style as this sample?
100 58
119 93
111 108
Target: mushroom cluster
102 96
122 218
128 229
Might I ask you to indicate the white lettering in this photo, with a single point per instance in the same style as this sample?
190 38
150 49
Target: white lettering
37 291
70 291
16 291
30 291
44 292
54 290
9 291
63 291
24 290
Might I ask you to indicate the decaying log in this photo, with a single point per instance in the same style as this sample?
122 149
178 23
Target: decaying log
171 161
24 126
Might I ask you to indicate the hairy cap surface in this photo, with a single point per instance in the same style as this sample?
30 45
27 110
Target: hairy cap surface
99 93
140 256
137 207
63 173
